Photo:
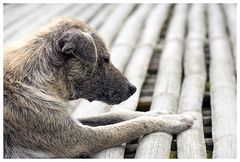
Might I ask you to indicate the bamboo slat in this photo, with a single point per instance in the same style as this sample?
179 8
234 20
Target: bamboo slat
76 11
53 10
128 37
57 11
223 87
8 8
26 20
15 15
190 143
231 16
137 68
101 16
90 12
167 88
34 22
114 22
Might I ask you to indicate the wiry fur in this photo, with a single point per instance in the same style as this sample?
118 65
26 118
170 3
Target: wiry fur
63 61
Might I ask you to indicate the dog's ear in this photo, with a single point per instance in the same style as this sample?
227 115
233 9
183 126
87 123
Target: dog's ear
79 44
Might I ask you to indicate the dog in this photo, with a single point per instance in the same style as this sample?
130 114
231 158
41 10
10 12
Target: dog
64 61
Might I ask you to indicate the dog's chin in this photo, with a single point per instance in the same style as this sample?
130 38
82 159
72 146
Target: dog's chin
114 102
109 100
106 102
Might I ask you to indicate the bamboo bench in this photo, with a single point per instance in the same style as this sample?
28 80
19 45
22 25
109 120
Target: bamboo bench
181 58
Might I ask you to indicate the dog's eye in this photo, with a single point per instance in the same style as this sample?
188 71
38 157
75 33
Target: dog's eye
106 58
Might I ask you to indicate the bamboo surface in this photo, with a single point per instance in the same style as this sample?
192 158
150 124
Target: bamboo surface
147 44
231 19
114 22
36 22
100 17
167 88
193 86
223 87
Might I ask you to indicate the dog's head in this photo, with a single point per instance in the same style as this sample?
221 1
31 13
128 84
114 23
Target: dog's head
88 71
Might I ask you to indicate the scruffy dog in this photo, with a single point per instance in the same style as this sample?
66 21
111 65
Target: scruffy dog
67 60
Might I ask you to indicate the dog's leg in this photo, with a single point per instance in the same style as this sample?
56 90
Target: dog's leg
63 137
103 137
109 118
114 117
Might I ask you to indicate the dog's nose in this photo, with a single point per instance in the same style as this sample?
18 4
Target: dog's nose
132 89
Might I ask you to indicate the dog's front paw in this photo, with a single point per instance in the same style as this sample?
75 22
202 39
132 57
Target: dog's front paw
178 123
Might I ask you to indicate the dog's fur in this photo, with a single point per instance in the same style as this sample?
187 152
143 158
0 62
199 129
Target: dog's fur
68 60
